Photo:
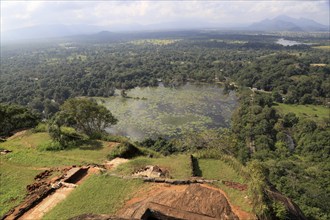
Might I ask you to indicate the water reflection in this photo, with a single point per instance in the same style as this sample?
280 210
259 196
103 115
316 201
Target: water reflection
162 111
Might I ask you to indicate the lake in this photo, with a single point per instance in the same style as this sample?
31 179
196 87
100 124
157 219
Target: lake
169 112
284 42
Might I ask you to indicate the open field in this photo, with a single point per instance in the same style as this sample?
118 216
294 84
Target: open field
13 182
327 47
77 57
217 169
26 153
315 112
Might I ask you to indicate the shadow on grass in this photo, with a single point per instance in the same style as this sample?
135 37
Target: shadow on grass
91 145
195 166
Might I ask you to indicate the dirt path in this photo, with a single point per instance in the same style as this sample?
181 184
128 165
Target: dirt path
52 200
47 204
236 209
115 162
17 134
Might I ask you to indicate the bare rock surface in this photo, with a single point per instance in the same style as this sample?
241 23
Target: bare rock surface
182 202
152 172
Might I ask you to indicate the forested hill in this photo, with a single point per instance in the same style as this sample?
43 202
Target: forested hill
43 75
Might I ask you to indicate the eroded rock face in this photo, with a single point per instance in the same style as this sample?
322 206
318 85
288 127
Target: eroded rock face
193 202
152 172
188 202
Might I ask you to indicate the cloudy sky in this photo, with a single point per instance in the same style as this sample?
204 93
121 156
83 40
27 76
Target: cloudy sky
17 14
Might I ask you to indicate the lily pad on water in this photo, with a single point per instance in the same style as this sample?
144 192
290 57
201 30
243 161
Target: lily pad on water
170 111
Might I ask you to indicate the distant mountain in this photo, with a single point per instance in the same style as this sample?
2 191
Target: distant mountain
48 31
280 23
286 23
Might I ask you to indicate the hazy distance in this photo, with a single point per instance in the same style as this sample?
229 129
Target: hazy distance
33 19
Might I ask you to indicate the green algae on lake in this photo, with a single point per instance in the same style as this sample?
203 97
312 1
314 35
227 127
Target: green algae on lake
163 111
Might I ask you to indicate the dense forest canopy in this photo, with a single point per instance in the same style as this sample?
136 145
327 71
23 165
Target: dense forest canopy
44 75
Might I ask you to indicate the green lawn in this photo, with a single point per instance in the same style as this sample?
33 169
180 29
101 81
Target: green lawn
217 169
26 153
177 165
314 112
238 198
13 182
99 194
220 170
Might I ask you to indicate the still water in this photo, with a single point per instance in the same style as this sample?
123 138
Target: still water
284 42
163 111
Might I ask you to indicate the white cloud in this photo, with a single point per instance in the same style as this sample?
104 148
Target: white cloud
16 14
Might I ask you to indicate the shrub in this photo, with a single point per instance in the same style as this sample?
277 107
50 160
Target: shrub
50 146
280 211
160 145
41 127
124 150
66 136
113 138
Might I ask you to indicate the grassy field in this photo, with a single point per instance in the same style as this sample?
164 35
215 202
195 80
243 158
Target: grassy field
178 165
13 181
26 153
327 47
314 112
217 169
20 167
238 198
99 194
220 170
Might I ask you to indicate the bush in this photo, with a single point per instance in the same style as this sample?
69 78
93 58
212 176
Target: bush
124 150
66 136
280 211
113 138
209 154
41 127
160 145
50 146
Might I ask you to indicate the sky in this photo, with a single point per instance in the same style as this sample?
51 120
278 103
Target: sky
18 14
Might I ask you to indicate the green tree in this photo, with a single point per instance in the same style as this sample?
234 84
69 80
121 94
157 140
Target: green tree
290 119
85 115
14 117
